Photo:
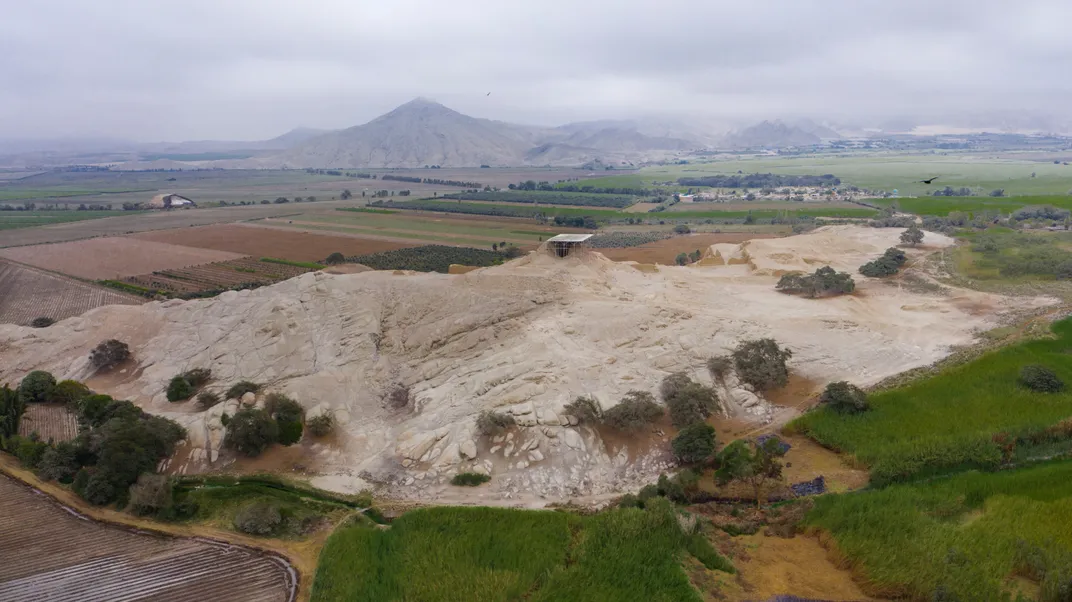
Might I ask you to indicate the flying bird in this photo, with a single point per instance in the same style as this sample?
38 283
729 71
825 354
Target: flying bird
488 94
929 180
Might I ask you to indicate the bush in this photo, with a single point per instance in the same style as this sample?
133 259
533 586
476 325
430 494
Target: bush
844 398
91 408
1040 378
762 364
682 229
493 423
322 425
687 400
250 431
288 414
152 494
59 462
207 399
719 366
335 259
11 409
179 389
398 398
681 259
585 409
695 443
42 322
37 387
198 377
912 236
109 354
30 451
240 388
469 479
258 518
99 489
70 393
636 410
824 282
887 265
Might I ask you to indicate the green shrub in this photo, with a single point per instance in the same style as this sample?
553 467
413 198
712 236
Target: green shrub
91 408
321 425
635 411
11 409
179 389
240 388
59 462
37 387
109 354
493 423
29 450
250 431
70 393
691 403
258 518
42 322
844 398
335 259
719 366
585 409
887 265
694 444
762 364
290 431
823 283
469 479
207 399
198 377
1040 378
151 494
912 236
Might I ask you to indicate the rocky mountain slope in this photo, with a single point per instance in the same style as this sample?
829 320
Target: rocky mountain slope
526 338
771 134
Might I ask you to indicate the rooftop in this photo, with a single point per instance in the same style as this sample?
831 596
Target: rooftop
569 238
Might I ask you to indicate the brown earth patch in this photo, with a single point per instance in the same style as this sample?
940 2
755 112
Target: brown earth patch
276 242
51 422
112 258
799 566
665 251
27 293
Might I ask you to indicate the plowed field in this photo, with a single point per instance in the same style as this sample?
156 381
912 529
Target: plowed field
26 293
247 272
271 242
112 258
50 422
49 553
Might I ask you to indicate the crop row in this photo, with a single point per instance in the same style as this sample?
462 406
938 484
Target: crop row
612 240
548 198
246 272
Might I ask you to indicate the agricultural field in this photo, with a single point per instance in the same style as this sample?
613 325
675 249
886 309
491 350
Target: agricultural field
617 201
944 205
949 422
494 209
486 554
51 422
9 220
112 258
258 241
430 258
247 272
51 553
974 536
880 171
27 293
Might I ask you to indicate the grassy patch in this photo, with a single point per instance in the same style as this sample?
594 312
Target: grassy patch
961 536
366 210
297 264
27 219
619 201
485 554
429 258
500 210
947 422
973 204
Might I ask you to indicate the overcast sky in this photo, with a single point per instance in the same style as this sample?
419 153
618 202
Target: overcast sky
252 69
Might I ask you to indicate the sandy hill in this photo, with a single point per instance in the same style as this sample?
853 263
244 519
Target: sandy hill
771 134
526 337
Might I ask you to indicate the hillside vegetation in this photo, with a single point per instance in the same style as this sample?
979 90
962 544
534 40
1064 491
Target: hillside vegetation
429 258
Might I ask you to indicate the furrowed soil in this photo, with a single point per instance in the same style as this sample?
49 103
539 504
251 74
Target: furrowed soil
27 293
105 258
50 553
666 251
274 242
51 422
798 566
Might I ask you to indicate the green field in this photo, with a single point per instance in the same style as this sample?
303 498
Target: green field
880 172
490 554
972 204
28 219
962 537
947 423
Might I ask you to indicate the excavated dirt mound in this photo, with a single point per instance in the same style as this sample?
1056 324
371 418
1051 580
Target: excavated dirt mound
525 337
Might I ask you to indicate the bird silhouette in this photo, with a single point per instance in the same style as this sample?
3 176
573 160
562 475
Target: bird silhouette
929 180
488 94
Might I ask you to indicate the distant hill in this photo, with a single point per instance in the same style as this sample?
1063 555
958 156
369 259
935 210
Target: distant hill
295 137
771 134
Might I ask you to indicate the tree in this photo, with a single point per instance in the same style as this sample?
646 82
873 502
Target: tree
11 408
250 431
59 462
37 387
335 259
109 354
682 229
1040 378
997 192
887 265
70 393
240 388
288 414
844 398
179 389
633 412
758 465
687 400
258 518
681 259
762 364
151 494
493 423
207 399
512 252
719 366
912 236
585 409
695 443
824 282
322 425
346 195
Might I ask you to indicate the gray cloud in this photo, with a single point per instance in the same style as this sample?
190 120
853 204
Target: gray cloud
255 68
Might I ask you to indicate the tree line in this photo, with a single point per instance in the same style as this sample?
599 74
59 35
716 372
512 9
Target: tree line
759 180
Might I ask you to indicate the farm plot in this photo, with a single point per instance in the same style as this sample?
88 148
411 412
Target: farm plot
107 258
247 272
50 553
26 293
51 422
270 242
665 251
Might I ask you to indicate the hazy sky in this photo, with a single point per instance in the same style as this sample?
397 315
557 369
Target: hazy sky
252 69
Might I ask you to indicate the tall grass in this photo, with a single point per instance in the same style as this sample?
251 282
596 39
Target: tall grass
489 554
947 422
960 536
